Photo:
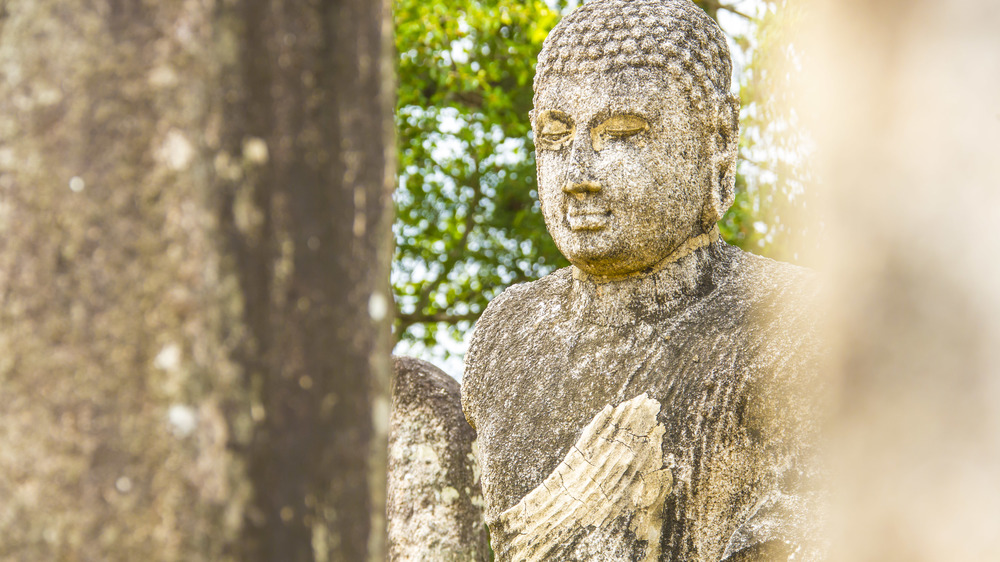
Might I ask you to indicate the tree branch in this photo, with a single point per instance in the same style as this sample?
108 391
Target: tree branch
444 317
459 249
717 5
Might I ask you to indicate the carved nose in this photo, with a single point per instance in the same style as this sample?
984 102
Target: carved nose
580 181
581 187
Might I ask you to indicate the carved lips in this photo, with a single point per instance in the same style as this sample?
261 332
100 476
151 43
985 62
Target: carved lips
587 219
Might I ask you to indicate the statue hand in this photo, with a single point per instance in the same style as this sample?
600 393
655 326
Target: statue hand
615 469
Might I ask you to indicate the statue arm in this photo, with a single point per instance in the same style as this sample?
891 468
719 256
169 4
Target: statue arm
781 527
787 522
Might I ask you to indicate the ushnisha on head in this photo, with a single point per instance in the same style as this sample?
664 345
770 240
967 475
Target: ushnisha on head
636 132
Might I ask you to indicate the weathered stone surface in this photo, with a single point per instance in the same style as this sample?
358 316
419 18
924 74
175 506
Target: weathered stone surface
636 133
722 354
435 503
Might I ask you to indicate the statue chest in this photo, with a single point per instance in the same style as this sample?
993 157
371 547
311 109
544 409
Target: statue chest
555 383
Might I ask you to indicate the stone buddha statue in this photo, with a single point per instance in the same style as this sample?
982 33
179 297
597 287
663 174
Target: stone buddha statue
653 401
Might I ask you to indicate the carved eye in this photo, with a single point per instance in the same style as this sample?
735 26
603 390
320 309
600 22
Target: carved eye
622 126
617 127
553 131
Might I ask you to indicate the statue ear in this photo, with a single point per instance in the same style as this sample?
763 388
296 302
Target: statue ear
722 161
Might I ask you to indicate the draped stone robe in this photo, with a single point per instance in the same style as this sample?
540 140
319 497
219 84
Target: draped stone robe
708 363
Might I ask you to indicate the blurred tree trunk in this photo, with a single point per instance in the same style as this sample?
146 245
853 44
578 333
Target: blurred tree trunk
194 251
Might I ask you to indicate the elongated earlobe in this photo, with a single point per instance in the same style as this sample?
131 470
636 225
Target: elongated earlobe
722 162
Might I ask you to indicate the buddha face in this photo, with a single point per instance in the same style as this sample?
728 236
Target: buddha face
622 171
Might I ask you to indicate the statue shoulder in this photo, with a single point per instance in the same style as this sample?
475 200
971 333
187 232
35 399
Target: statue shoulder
782 273
520 302
768 283
509 321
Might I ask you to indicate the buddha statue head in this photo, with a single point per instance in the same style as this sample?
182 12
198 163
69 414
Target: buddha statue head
636 132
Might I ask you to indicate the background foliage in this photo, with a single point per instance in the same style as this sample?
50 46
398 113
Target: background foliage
468 222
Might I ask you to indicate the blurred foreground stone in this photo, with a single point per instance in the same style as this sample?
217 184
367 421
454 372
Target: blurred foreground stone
903 97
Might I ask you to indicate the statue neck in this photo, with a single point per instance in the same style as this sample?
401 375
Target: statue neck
657 291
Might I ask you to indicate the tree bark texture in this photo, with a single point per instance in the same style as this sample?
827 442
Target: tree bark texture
194 248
